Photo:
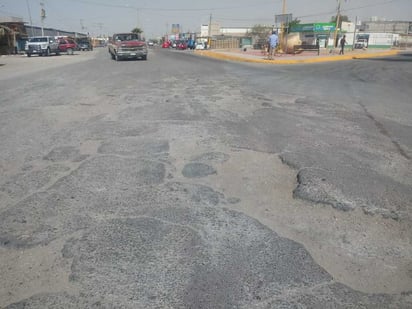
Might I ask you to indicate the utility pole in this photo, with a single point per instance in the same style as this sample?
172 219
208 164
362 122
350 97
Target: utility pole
100 26
209 39
42 17
337 23
282 34
138 19
354 33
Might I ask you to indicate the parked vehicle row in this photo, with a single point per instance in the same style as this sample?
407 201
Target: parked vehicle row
182 45
47 45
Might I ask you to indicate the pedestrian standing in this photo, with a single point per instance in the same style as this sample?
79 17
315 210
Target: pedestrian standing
273 43
342 45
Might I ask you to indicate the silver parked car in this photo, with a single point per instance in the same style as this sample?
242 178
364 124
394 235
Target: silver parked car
42 45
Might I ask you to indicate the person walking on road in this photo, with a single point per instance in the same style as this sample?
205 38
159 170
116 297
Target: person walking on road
342 45
273 43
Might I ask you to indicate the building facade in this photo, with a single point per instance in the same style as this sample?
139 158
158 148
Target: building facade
14 33
399 27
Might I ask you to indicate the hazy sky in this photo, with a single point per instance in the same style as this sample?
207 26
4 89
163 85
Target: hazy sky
156 17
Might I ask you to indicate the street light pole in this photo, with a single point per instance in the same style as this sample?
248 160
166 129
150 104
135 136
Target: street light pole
354 33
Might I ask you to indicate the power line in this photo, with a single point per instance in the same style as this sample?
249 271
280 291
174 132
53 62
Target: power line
346 10
242 19
90 2
369 5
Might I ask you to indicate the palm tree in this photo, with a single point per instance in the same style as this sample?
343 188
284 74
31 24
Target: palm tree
342 18
137 30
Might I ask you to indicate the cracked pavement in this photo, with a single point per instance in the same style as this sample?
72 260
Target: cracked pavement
184 182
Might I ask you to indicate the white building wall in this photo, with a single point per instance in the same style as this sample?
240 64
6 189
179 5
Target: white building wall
235 31
383 39
217 30
204 31
375 39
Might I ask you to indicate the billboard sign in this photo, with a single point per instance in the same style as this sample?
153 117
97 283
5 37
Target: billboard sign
324 27
175 28
318 27
283 18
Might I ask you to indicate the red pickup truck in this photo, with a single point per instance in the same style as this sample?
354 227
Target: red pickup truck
127 46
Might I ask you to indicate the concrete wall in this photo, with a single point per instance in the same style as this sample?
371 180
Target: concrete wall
386 26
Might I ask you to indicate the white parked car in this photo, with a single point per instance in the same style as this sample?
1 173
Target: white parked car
42 45
200 46
361 44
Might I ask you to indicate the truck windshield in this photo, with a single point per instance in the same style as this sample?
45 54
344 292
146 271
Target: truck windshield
127 37
38 40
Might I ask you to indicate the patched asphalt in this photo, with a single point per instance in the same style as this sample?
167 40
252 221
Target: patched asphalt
124 190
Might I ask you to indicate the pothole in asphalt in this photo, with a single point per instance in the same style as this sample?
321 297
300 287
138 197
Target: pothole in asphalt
198 170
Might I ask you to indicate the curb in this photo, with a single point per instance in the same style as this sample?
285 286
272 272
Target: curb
316 59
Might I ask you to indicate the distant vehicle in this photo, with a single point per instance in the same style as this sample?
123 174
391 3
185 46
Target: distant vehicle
166 44
361 43
42 46
99 42
191 44
127 46
67 46
84 44
182 45
150 43
200 46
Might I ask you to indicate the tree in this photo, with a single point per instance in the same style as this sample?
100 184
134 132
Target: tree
260 31
137 30
292 24
342 18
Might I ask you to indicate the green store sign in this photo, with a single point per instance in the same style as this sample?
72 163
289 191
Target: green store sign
317 27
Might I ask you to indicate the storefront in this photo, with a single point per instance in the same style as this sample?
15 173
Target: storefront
311 34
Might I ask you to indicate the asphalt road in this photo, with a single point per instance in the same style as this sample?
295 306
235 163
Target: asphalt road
187 182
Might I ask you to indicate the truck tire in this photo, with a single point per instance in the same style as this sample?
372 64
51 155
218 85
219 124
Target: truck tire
113 58
144 57
28 54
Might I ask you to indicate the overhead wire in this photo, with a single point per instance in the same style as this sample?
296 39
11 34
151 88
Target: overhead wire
91 2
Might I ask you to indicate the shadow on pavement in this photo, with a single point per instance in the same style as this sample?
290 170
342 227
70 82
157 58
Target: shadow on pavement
407 57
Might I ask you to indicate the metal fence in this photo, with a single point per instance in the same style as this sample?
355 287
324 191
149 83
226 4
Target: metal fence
226 42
